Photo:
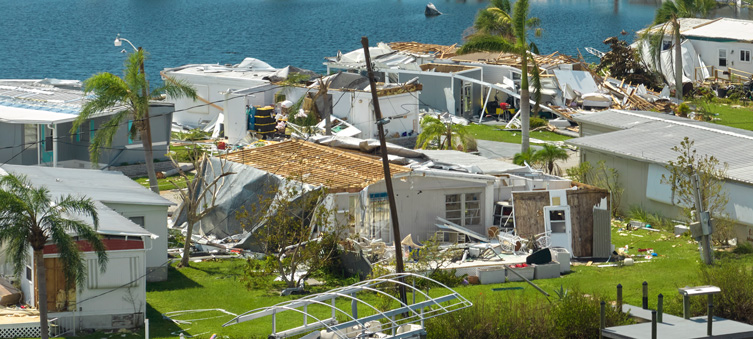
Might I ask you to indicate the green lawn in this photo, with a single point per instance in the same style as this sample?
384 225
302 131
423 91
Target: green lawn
738 117
494 133
165 184
215 284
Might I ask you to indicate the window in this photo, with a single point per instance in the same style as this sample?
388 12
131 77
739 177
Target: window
30 136
722 58
137 220
665 45
133 133
557 221
463 209
48 139
744 55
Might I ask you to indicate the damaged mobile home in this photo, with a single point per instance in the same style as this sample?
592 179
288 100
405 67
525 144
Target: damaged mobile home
470 205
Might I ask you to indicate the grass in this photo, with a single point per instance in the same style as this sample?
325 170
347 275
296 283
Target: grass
164 184
494 133
216 284
738 117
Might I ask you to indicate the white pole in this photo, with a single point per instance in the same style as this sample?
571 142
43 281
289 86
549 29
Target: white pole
54 145
146 328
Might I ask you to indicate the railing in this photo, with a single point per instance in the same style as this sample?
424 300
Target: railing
63 324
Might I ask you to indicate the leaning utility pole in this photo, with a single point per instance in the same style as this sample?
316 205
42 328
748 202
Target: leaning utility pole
386 166
704 219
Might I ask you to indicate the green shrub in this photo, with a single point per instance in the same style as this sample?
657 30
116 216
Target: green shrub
574 316
447 277
743 248
683 110
536 122
735 302
655 220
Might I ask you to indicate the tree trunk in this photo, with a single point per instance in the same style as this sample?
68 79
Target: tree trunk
184 262
146 133
146 142
449 135
525 103
678 61
41 281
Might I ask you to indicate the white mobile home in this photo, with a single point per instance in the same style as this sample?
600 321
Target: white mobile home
639 146
35 127
119 193
726 45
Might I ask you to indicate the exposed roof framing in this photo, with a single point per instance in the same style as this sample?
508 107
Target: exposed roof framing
316 164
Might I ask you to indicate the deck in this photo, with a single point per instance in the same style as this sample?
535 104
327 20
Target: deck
677 327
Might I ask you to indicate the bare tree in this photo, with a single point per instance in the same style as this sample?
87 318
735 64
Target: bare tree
200 196
296 228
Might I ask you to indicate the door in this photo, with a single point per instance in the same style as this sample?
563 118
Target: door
46 147
557 222
466 99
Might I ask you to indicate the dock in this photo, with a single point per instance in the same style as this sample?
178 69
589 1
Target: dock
677 327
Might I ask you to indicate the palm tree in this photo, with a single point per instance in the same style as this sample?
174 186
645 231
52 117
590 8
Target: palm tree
434 130
668 16
128 97
523 158
547 156
518 44
30 218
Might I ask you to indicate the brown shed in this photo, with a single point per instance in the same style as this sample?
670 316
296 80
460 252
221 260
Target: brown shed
589 216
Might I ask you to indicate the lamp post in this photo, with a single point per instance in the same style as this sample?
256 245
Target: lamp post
144 124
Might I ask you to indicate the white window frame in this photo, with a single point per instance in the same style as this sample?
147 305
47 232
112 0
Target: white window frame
726 60
745 52
469 216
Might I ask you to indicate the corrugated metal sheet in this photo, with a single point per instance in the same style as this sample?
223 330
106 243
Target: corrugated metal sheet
653 142
602 233
650 136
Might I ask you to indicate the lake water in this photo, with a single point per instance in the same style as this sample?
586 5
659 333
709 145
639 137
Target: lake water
73 39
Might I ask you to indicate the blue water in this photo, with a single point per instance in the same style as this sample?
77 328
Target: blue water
73 39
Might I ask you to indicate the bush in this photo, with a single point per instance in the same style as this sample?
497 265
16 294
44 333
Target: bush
743 248
735 302
655 220
683 110
536 122
574 316
447 277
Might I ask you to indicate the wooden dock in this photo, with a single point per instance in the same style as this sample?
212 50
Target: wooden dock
677 327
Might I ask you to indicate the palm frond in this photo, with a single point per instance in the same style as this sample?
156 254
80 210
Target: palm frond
105 134
175 88
487 43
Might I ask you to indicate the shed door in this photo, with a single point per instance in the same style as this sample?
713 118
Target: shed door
602 233
557 221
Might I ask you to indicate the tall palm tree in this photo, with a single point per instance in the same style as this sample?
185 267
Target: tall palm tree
30 218
548 155
668 16
434 130
129 97
519 23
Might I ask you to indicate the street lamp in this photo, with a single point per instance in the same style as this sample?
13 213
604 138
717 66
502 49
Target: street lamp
119 42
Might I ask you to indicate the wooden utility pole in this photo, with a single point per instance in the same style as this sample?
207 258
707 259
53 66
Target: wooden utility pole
386 166
703 217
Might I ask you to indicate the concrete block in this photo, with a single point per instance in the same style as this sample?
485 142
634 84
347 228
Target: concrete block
466 270
681 229
526 272
491 275
546 271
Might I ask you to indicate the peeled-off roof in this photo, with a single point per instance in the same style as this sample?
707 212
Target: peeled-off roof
653 140
723 29
315 164
487 166
104 186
